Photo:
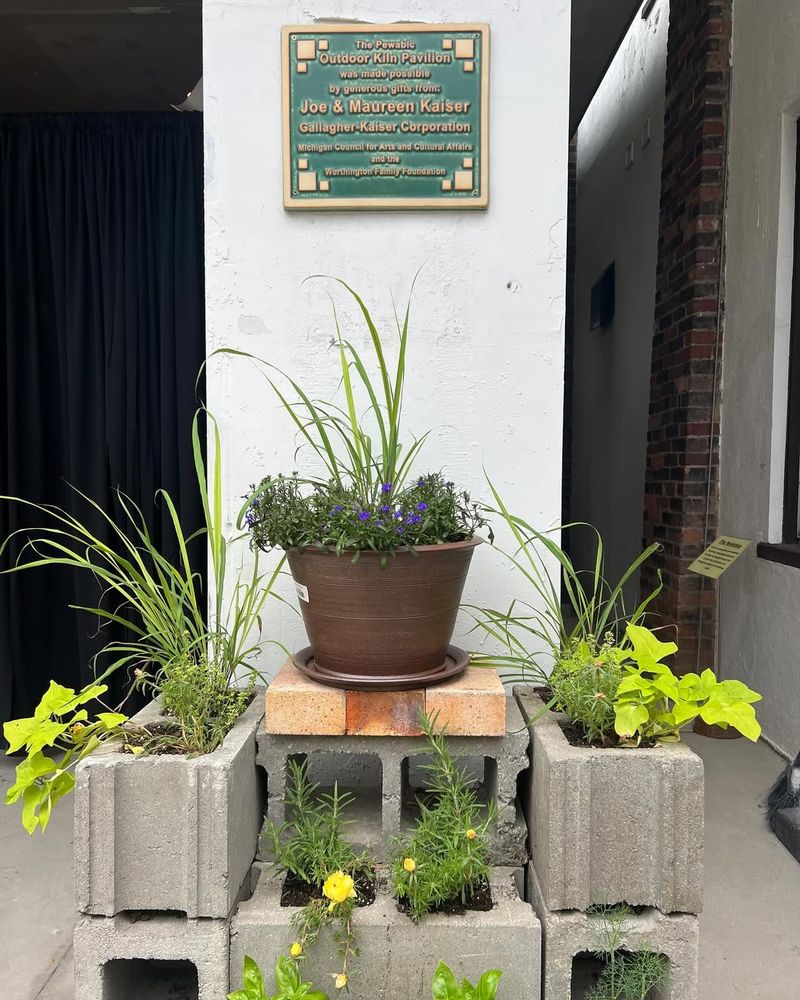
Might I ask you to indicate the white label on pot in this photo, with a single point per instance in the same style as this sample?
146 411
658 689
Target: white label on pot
302 591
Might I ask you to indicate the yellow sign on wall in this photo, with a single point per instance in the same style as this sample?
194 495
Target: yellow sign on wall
719 555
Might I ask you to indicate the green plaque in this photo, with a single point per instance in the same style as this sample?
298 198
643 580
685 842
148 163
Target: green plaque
386 116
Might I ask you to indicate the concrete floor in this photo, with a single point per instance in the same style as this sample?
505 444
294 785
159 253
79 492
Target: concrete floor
750 927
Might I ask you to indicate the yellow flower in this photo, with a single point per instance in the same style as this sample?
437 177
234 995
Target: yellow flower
471 835
296 949
338 887
341 981
410 865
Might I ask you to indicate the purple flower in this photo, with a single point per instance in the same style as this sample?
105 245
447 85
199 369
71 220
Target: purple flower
386 488
422 506
421 481
363 515
399 531
413 519
384 508
336 508
379 524
398 514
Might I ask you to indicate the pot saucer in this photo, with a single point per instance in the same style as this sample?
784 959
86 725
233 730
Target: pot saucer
456 662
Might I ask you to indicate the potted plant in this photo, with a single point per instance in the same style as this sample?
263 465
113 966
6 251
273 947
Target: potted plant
379 554
615 801
169 805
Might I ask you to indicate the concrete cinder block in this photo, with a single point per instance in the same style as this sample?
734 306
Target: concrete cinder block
613 825
167 832
130 956
570 933
379 770
396 957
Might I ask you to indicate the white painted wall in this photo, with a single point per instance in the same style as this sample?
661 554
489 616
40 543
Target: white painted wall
760 601
617 220
487 354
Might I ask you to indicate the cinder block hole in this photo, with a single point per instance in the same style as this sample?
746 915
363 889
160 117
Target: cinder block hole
149 979
361 775
415 776
586 970
250 883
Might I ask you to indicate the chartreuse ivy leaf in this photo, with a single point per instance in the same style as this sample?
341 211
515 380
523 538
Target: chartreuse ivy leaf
18 732
736 690
633 682
55 698
628 718
740 715
110 720
42 780
35 766
32 798
684 711
648 651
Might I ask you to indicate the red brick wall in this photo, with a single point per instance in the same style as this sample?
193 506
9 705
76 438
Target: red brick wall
683 424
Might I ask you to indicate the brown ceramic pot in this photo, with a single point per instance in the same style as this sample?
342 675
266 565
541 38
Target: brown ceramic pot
381 627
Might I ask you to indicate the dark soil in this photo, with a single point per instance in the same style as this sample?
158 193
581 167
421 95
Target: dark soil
480 900
576 738
157 738
296 892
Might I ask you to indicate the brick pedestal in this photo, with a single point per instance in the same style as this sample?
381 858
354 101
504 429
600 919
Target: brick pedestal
473 704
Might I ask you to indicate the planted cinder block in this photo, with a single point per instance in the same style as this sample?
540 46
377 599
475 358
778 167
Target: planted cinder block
383 771
570 937
396 957
132 956
168 832
614 825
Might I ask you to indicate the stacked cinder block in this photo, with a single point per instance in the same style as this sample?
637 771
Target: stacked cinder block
397 958
370 742
164 847
612 826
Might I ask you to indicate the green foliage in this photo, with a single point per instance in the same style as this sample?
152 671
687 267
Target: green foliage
584 685
625 976
312 847
363 498
288 983
174 643
62 727
445 856
198 696
157 601
287 513
344 437
535 631
653 704
446 987
311 844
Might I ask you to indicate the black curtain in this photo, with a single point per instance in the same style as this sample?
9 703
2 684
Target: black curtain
101 339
